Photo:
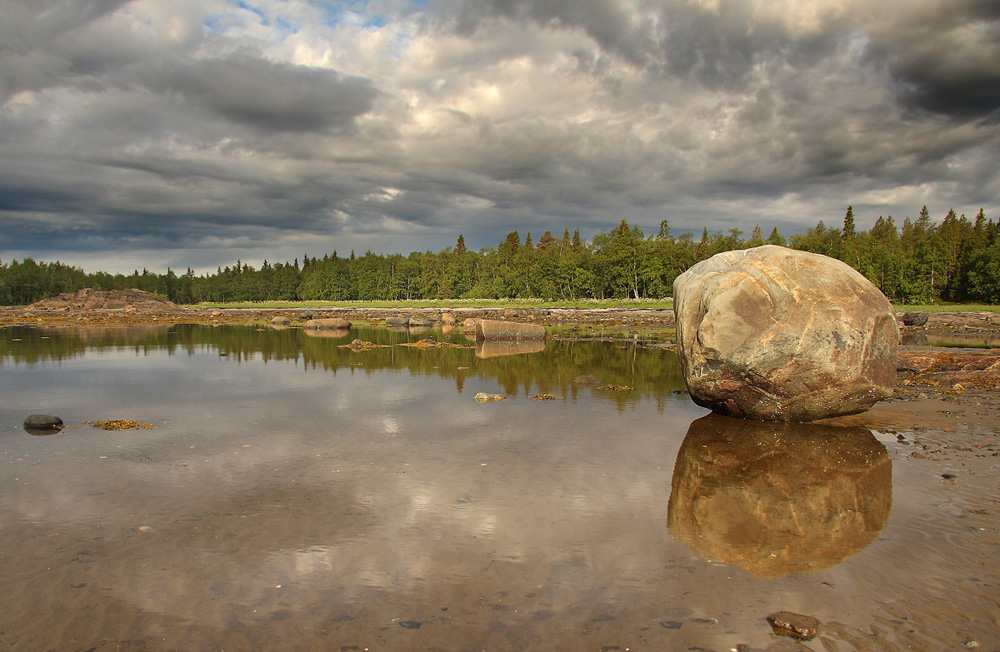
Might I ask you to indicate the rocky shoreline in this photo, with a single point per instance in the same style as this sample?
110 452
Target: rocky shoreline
962 369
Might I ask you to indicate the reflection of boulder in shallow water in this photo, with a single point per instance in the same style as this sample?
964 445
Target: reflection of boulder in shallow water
495 349
333 334
778 498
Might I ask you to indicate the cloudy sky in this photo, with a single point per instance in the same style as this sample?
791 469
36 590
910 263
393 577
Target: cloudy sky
148 133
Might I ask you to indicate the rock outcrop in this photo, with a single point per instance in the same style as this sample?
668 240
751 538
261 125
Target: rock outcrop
771 333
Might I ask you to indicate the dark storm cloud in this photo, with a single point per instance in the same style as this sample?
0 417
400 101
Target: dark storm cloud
47 43
945 58
270 96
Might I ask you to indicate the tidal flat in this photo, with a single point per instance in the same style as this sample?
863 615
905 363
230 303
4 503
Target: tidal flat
295 494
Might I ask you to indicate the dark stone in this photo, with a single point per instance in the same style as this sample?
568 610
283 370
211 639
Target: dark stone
789 623
914 318
410 624
43 422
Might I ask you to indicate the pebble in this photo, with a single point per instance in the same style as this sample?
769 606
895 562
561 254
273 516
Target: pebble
483 397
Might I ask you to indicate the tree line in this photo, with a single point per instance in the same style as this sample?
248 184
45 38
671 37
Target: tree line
922 261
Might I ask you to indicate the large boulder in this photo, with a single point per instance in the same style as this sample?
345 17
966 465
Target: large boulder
775 334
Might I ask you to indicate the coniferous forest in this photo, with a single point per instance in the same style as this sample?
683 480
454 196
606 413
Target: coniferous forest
919 262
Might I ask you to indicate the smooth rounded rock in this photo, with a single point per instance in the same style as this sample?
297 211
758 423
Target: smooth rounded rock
43 422
776 334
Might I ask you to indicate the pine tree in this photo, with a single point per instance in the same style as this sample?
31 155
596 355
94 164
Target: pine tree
848 231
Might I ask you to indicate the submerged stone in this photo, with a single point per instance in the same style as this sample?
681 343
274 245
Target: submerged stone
43 422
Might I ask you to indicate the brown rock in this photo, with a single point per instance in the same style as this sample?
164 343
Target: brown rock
776 334
789 623
489 330
328 324
950 366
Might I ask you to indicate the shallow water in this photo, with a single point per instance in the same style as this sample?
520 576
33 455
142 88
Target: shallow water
293 494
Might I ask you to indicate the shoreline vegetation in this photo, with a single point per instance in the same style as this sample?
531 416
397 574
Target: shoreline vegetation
922 263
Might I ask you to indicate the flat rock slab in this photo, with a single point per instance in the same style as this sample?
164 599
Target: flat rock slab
491 330
331 324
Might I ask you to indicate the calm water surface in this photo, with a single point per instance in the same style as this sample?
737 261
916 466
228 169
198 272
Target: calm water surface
296 495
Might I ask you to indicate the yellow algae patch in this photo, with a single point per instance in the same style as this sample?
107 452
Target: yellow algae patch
615 388
546 397
120 424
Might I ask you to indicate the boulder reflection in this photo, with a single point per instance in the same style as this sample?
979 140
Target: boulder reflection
493 349
778 498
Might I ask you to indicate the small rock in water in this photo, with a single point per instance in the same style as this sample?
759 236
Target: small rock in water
410 624
483 397
789 623
948 476
43 422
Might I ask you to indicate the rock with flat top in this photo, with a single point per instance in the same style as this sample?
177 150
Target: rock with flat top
776 334
327 324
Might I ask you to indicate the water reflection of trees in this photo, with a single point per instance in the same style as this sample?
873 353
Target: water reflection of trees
652 373
778 498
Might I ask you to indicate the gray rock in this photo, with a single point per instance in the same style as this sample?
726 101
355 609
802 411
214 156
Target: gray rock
775 334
